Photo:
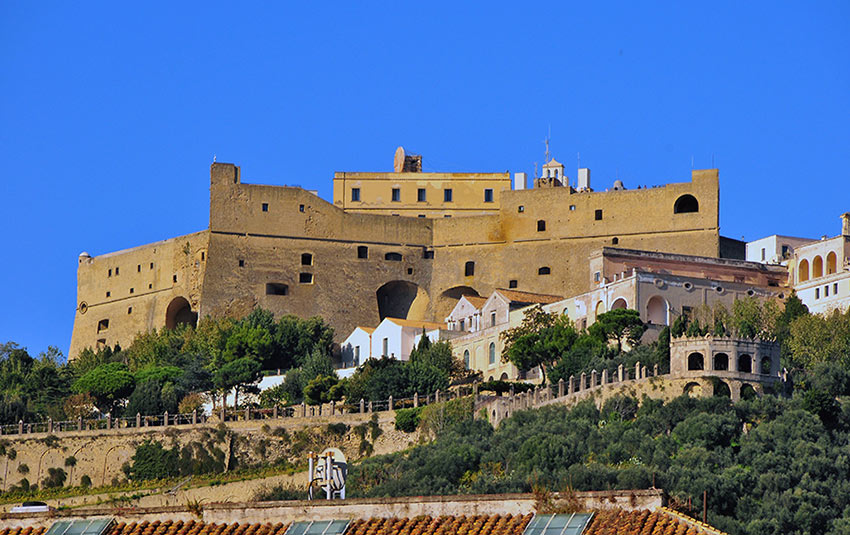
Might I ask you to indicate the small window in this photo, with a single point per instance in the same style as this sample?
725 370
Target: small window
305 278
265 207
276 288
355 194
447 195
300 207
151 265
461 325
420 195
108 294
615 240
763 254
150 286
174 278
203 256
129 310
572 208
139 268
826 291
598 215
362 251
488 195
492 319
466 359
132 290
410 271
241 263
597 277
544 270
109 273
686 204
396 195
492 352
512 283
428 255
541 225
306 259
116 272
385 347
520 209
469 269
447 215
817 293
102 325
393 257
421 215
835 288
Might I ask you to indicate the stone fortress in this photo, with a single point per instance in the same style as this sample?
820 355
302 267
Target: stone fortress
403 244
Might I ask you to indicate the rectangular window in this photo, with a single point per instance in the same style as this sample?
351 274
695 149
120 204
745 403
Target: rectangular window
241 263
396 195
362 251
492 319
386 347
762 254
826 291
428 255
447 195
355 194
488 195
817 293
108 294
132 290
265 207
598 215
512 283
305 278
461 325
356 355
300 207
151 265
420 195
102 325
835 288
139 268
116 272
572 208
597 277
174 278
276 288
129 310
109 273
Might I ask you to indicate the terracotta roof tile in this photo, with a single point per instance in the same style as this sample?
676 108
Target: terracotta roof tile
417 323
475 301
528 297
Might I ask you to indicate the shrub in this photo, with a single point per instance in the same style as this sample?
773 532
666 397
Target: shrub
279 493
337 429
191 402
85 481
55 478
23 468
407 420
152 461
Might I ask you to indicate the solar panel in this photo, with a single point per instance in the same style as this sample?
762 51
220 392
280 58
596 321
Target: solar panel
96 526
318 527
568 524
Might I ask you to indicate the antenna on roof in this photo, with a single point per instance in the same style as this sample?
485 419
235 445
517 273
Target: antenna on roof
546 142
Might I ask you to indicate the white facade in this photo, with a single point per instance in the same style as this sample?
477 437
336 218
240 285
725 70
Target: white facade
357 347
466 315
395 337
821 272
774 249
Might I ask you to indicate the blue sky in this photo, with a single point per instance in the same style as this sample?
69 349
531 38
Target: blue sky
110 113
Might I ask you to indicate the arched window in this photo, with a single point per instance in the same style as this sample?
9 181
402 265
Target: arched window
686 204
619 303
803 271
544 270
765 365
615 240
656 310
831 263
492 353
469 269
721 362
395 257
466 359
745 363
817 267
695 361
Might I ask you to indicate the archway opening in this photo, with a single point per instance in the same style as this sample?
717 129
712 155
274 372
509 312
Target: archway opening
686 204
656 310
831 263
448 299
803 271
745 363
600 308
695 361
817 267
503 377
179 312
619 303
748 392
402 299
693 390
721 389
765 366
721 362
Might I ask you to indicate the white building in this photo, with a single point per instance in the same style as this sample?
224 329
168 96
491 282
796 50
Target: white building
821 272
396 337
357 347
774 249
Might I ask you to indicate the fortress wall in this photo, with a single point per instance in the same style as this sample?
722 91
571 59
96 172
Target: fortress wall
154 288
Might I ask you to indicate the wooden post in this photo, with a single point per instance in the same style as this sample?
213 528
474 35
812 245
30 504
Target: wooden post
704 507
49 425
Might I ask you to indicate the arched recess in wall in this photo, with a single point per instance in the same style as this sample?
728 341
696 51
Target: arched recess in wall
748 392
695 362
693 390
448 299
402 299
817 267
831 262
803 271
600 308
722 390
686 204
179 312
745 363
619 303
656 310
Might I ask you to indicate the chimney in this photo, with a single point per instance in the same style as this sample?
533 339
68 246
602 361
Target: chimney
520 181
583 179
845 224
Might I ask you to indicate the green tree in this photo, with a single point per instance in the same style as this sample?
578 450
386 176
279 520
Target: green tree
620 325
238 375
540 340
816 338
152 461
108 383
317 363
323 389
146 399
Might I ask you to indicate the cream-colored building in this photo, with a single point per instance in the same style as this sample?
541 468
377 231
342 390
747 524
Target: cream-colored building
774 249
821 272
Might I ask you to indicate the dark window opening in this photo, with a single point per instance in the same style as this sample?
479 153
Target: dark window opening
396 195
203 255
447 195
492 319
305 278
421 215
116 272
109 273
615 240
520 208
721 362
102 325
355 194
300 207
469 269
241 263
420 195
150 286
686 204
428 255
410 271
108 294
447 215
306 259
265 207
598 215
151 265
544 271
129 310
362 251
174 278
695 361
139 268
276 288
572 208
512 283
541 225
488 195
132 290
395 257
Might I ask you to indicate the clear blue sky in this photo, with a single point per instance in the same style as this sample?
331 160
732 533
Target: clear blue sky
110 114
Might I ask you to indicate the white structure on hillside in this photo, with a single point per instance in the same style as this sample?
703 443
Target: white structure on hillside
821 271
774 249
395 337
357 347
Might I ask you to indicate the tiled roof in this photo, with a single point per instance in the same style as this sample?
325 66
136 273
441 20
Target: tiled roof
369 330
475 301
22 531
192 527
417 323
442 525
516 296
